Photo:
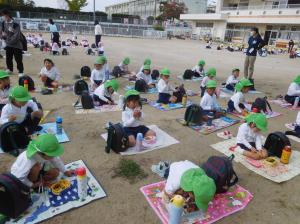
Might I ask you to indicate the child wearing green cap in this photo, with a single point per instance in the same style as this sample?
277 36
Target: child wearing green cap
146 62
98 74
103 94
164 88
232 80
4 88
22 109
132 117
210 75
237 102
293 91
145 75
199 69
49 74
40 164
249 138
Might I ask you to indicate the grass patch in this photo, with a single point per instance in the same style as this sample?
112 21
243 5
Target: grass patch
129 170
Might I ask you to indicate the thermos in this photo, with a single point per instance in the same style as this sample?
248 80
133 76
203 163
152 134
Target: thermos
59 125
139 141
26 84
82 185
184 100
175 208
210 118
286 154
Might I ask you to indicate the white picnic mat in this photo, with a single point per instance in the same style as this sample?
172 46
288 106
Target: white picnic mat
163 140
102 109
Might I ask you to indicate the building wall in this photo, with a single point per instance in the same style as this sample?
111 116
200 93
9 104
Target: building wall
196 6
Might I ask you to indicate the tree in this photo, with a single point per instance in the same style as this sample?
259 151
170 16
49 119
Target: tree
76 5
172 10
30 3
13 3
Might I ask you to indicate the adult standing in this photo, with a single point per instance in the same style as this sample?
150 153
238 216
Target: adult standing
255 43
98 32
291 45
11 34
54 32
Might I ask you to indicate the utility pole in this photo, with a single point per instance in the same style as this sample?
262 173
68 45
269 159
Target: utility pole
94 10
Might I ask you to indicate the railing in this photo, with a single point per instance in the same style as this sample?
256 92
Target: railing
261 7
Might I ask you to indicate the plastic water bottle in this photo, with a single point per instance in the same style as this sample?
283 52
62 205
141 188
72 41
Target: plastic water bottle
82 186
139 141
296 102
175 209
210 118
59 125
121 101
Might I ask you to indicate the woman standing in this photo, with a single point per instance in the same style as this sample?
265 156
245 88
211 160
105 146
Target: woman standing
98 33
54 32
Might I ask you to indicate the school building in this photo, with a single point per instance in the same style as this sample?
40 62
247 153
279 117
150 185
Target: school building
146 8
277 20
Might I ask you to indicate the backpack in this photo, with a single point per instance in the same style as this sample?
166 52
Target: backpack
193 114
80 86
179 93
276 142
117 72
22 37
63 43
86 100
220 169
155 74
93 46
90 52
42 43
85 71
14 196
64 51
261 104
141 86
31 86
188 74
117 139
13 136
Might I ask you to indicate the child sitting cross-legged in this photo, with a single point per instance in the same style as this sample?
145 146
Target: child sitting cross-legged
296 131
145 75
103 94
199 69
98 74
146 62
232 80
40 164
49 74
165 89
132 117
293 92
4 88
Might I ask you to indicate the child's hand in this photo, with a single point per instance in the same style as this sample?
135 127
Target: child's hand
12 118
136 114
69 173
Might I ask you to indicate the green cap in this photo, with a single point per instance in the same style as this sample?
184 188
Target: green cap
297 80
211 84
3 74
212 72
201 62
203 187
47 144
112 83
246 82
238 87
259 119
101 60
235 69
132 92
146 67
147 61
20 94
165 71
126 61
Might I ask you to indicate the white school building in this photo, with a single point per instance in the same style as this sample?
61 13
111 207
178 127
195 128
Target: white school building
276 20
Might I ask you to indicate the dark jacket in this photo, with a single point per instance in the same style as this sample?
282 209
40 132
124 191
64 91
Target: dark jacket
255 44
12 34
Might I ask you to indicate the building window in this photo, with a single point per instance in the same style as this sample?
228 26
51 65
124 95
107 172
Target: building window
207 25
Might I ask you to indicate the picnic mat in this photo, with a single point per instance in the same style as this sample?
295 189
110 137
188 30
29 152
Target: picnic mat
278 174
282 103
194 79
291 126
68 199
170 106
269 115
51 129
236 199
104 108
163 140
150 91
217 124
232 92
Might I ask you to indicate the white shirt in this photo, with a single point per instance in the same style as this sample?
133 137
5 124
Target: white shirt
98 30
53 73
164 87
4 93
294 89
22 166
102 93
55 47
246 135
204 81
129 120
98 75
238 98
20 112
231 80
146 78
209 102
197 69
177 169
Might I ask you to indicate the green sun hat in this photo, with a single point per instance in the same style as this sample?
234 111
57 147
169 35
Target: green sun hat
112 83
147 61
235 70
126 61
211 84
3 74
20 94
132 92
101 60
146 67
46 144
259 119
238 87
203 187
165 71
212 72
201 62
297 80
246 82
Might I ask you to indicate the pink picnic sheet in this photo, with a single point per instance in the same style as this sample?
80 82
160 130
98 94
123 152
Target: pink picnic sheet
236 199
269 115
282 103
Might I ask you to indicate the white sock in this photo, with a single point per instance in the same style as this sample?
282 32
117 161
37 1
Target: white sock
239 150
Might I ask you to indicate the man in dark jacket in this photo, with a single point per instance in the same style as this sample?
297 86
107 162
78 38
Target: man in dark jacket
255 43
10 31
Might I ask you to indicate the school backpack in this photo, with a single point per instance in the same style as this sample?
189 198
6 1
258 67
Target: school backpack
30 81
87 100
85 71
193 114
93 46
22 37
117 139
155 74
180 91
63 43
42 42
141 86
13 136
117 72
188 74
14 196
276 142
64 51
261 104
80 86
220 169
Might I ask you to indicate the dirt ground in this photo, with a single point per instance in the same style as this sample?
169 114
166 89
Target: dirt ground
272 203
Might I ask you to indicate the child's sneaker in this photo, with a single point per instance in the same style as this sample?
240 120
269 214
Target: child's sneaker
161 168
21 74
